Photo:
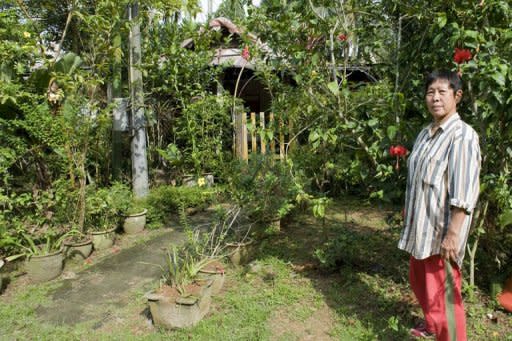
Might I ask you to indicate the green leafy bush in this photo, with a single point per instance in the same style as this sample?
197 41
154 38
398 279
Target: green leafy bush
164 201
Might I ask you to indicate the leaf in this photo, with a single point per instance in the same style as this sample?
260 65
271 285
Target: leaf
505 218
437 38
499 78
391 132
441 20
313 136
471 34
333 86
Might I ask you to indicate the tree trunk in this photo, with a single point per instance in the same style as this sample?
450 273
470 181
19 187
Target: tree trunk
140 180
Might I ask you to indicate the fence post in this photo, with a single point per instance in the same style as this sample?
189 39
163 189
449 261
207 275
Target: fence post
253 133
245 152
262 136
237 122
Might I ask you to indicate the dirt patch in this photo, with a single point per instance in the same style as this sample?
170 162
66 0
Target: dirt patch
315 327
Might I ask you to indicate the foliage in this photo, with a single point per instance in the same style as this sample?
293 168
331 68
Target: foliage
264 188
164 201
40 217
106 206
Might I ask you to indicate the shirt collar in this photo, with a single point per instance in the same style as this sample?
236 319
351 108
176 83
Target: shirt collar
445 124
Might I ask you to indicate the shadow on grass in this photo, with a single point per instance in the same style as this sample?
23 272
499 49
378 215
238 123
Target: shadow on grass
367 287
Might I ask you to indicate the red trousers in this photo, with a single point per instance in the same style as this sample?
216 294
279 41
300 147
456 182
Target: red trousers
431 284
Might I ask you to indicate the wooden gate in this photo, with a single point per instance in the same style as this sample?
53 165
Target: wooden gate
259 133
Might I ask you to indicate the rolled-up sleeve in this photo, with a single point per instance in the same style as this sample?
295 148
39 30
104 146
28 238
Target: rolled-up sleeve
464 171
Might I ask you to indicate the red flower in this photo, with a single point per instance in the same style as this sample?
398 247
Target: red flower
245 53
398 150
342 37
462 55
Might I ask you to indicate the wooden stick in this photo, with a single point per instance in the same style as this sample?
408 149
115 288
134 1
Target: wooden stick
253 133
262 125
245 151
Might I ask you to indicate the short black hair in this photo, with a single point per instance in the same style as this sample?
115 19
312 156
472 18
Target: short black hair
449 76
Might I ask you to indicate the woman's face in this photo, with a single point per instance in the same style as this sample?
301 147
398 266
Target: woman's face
442 100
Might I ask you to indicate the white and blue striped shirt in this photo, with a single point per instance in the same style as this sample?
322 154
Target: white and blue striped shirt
443 171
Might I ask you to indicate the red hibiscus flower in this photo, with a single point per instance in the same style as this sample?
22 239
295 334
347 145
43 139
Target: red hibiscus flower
342 37
462 55
398 151
245 53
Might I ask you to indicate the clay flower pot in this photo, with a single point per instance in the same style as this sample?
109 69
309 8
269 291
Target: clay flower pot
135 223
240 253
103 239
77 250
171 310
215 272
42 268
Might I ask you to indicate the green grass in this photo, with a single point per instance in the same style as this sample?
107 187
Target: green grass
364 297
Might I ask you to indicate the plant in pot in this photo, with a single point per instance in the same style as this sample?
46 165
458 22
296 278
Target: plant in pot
104 209
44 257
208 243
232 235
182 299
77 245
135 217
36 230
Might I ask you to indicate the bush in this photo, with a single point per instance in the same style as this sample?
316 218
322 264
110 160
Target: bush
164 201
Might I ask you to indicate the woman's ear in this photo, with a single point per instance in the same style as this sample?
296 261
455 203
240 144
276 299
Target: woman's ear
458 96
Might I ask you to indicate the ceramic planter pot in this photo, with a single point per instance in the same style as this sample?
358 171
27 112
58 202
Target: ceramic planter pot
179 312
103 239
241 252
135 223
43 268
78 250
215 273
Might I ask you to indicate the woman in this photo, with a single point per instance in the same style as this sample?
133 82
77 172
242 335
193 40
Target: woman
442 191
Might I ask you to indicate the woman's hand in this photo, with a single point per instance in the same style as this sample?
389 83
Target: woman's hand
449 247
450 244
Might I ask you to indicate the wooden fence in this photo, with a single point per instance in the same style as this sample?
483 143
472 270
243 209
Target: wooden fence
259 133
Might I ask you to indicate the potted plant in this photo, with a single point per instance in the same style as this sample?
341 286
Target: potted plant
135 218
77 245
182 300
44 256
103 213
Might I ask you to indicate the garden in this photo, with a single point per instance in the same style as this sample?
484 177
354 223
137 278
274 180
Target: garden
240 177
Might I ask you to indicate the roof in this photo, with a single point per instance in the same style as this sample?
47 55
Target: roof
230 55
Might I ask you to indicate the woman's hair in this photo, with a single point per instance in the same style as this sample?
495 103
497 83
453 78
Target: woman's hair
449 76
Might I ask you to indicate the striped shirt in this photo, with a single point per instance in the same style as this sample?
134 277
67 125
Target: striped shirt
443 171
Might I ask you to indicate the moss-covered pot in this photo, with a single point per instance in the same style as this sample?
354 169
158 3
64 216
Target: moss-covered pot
173 312
214 272
42 268
241 252
78 250
135 223
103 239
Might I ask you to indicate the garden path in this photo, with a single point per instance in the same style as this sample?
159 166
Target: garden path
119 278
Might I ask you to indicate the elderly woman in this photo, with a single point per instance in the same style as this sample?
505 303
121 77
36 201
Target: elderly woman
442 191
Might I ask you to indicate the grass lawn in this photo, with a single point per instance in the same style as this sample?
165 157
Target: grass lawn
282 295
